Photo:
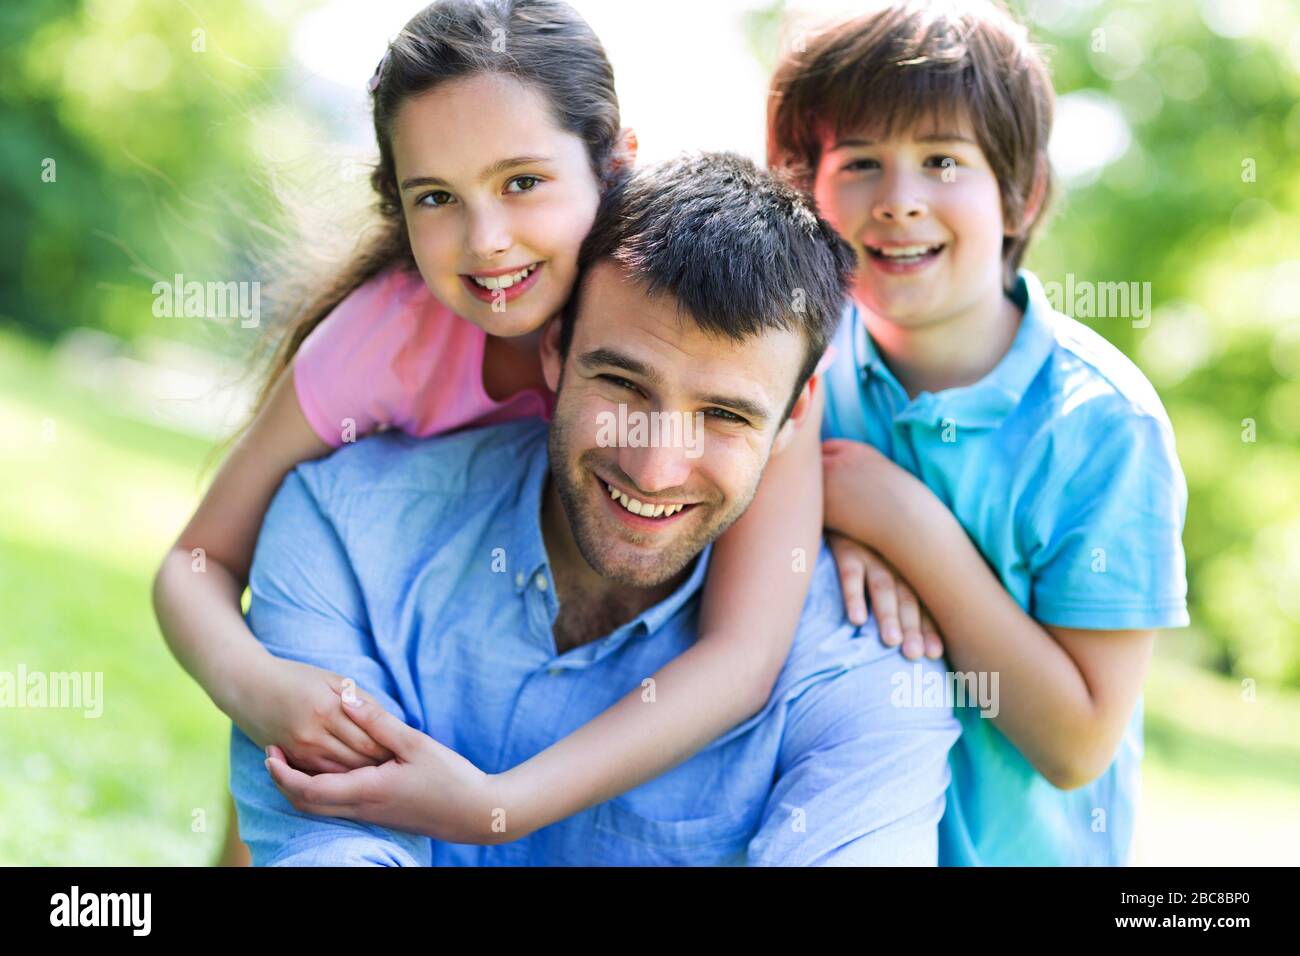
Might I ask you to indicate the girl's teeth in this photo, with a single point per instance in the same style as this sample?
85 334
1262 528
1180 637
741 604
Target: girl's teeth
506 281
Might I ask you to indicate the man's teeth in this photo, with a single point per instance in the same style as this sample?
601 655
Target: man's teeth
644 510
906 252
506 281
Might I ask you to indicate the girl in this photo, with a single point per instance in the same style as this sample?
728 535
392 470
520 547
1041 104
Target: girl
498 132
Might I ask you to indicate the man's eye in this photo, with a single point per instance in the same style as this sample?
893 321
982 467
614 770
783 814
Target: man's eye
619 382
531 181
723 415
440 197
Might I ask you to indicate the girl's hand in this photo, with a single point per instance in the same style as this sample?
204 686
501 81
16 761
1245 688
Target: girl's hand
899 613
296 706
426 788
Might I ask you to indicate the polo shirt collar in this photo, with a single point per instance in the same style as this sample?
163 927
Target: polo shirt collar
983 404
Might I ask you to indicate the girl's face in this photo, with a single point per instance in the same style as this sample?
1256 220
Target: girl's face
923 212
497 200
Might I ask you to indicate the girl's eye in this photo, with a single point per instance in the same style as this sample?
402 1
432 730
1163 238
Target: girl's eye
440 197
942 162
531 181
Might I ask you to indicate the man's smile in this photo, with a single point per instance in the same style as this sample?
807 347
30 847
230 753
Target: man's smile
635 513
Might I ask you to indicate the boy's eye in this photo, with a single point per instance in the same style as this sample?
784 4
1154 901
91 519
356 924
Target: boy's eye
860 164
530 181
440 197
941 161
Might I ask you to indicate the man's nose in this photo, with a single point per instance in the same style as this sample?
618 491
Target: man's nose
487 233
899 201
655 469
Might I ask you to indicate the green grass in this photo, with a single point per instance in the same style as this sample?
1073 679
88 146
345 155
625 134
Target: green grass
90 502
89 505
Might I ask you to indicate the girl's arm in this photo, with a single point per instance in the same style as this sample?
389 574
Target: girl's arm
1064 696
197 593
722 679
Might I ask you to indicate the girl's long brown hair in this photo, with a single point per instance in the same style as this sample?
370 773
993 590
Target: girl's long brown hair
544 43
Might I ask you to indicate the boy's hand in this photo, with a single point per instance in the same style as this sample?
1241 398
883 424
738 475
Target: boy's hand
899 613
296 706
861 488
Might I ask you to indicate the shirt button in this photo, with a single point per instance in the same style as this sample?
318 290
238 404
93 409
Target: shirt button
555 671
519 579
540 581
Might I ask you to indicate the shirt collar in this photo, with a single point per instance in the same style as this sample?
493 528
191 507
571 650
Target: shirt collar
527 517
987 402
534 561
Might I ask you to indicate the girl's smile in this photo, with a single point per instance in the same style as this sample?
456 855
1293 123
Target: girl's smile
502 284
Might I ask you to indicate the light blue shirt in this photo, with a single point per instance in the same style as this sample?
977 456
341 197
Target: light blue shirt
417 568
1060 464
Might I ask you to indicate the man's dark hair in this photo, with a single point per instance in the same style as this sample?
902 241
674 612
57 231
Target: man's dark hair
740 250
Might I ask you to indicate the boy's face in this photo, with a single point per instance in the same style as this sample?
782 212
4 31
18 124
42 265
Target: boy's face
928 193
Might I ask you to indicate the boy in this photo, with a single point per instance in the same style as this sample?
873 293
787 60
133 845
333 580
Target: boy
1015 468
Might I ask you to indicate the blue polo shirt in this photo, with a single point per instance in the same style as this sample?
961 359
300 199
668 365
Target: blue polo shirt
1060 464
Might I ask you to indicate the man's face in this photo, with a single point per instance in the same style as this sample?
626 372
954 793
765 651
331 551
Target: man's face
635 351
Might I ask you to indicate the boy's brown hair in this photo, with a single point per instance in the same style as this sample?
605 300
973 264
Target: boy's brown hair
908 62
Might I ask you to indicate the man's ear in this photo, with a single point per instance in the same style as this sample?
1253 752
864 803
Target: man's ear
809 398
549 349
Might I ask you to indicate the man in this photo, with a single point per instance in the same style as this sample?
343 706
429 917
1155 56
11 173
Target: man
383 563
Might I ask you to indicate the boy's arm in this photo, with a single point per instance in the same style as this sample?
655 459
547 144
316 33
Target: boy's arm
1065 695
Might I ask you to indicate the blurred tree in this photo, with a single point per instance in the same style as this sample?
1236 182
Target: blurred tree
128 137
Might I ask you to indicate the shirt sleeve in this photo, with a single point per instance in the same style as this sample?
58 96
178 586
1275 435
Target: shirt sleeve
307 606
860 781
344 371
1108 534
